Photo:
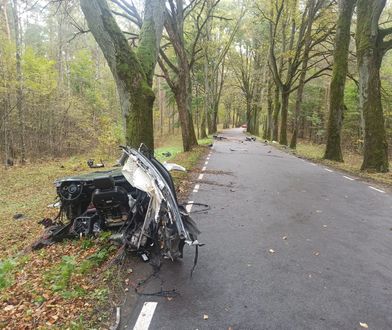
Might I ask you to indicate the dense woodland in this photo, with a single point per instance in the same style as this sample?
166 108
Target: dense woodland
85 75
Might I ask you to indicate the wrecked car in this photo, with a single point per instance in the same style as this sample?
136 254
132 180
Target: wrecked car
137 202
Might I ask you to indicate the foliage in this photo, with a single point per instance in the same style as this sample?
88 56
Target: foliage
7 268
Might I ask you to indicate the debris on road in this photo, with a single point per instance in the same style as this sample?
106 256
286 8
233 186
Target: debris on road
241 149
219 137
284 237
250 138
364 325
271 251
316 253
205 317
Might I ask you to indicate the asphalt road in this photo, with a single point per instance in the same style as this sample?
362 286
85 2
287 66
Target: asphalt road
289 245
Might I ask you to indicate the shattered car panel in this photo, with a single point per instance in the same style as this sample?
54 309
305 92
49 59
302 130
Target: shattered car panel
138 203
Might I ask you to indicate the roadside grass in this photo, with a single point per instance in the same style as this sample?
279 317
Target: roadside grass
66 285
352 162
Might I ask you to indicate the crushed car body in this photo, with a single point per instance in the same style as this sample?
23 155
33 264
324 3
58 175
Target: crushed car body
136 202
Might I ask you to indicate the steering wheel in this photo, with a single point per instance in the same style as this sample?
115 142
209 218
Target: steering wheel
70 190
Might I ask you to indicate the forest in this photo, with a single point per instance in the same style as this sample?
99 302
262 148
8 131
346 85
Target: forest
309 78
77 76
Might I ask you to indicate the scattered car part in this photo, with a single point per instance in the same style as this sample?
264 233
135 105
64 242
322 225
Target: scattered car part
90 163
138 203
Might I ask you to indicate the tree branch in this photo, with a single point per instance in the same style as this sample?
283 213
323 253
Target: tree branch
167 60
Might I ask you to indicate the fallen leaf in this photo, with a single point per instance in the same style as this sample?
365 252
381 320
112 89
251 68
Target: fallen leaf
9 308
363 325
316 253
271 251
169 298
284 237
205 317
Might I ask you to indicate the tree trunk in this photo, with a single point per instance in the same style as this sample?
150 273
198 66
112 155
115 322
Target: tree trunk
270 109
203 124
275 132
304 66
298 104
7 95
369 57
283 119
217 96
132 72
183 96
336 99
249 122
19 91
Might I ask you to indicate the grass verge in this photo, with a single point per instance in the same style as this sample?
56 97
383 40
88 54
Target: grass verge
66 285
352 162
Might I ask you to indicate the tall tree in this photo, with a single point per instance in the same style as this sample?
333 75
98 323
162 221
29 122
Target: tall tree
371 48
285 62
19 92
5 35
313 7
336 97
132 70
178 76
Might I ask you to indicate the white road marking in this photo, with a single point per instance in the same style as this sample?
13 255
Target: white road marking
203 169
189 206
379 190
145 316
200 176
196 189
348 178
328 170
